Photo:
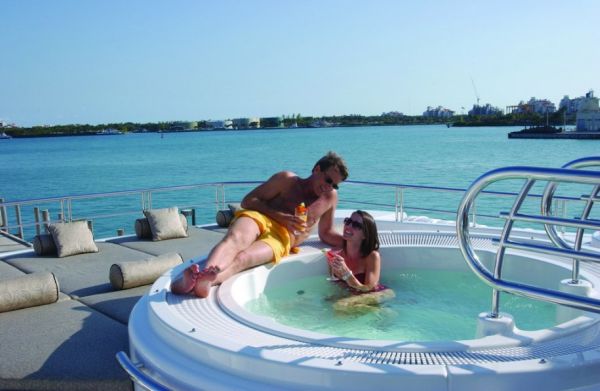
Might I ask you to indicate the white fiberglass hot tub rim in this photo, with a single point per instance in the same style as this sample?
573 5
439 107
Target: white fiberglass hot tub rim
178 334
229 290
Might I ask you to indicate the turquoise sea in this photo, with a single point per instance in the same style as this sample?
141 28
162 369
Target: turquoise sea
417 155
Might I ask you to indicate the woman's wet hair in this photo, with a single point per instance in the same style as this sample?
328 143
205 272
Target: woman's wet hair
371 240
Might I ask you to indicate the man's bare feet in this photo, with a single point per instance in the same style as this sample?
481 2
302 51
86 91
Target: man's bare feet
205 280
187 281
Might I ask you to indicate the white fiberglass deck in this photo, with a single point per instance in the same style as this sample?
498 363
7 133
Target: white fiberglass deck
186 343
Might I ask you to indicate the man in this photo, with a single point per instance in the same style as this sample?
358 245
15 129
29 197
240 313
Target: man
267 229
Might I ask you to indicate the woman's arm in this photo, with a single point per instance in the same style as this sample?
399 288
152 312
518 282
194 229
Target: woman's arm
372 273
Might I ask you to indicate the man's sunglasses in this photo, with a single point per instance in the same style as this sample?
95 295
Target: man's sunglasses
355 224
330 182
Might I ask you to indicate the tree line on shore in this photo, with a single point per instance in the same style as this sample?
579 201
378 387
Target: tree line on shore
530 119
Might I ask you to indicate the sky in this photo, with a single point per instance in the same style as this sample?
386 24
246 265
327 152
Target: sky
111 61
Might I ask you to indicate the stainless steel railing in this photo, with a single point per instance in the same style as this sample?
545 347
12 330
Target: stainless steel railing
137 375
529 175
547 201
27 217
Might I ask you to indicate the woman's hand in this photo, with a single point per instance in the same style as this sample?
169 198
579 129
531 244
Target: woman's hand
338 265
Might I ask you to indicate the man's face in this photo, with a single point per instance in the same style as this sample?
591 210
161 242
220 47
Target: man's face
327 180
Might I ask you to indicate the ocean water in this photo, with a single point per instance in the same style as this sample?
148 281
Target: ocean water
417 155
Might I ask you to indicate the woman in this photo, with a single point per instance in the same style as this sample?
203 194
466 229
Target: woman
358 263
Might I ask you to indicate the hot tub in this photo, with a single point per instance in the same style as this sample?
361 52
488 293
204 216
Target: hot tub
188 343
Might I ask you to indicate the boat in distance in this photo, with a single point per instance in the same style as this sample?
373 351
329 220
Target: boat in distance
109 132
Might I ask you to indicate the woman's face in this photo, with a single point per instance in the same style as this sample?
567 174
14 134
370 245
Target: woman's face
353 228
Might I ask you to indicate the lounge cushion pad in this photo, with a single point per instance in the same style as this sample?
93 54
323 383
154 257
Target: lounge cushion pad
116 304
199 242
61 346
79 275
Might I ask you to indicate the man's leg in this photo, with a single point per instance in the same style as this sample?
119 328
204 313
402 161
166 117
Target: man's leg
257 254
240 236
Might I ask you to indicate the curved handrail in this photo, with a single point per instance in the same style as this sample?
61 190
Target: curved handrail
547 199
137 376
530 175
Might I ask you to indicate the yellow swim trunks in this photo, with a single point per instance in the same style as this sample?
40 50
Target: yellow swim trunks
271 232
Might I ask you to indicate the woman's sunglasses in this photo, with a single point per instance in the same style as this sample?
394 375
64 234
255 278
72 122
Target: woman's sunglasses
355 224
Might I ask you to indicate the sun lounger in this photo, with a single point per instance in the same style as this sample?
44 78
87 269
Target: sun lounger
63 345
79 275
199 242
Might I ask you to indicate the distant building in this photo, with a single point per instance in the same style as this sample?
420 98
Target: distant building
486 109
396 114
215 124
438 112
271 122
538 106
4 124
588 114
571 105
246 123
183 125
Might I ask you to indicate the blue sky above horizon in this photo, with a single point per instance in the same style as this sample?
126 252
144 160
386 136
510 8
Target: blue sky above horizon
108 61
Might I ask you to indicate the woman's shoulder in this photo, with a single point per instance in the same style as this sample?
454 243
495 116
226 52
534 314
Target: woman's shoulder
374 256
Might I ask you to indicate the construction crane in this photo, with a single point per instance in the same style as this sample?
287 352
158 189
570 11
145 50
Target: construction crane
475 89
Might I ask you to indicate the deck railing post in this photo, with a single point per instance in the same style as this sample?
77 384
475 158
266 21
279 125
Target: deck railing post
219 197
3 220
401 205
565 207
46 218
19 220
396 203
36 216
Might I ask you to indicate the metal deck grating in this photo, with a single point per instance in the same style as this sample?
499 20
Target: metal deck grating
214 324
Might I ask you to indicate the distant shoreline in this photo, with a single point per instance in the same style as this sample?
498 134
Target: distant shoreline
93 130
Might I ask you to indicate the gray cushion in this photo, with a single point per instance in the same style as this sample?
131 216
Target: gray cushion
72 238
165 223
44 245
143 231
79 275
199 242
29 290
61 346
116 304
127 275
9 271
225 217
